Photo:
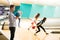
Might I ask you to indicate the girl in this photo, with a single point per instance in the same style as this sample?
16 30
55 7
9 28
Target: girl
39 25
33 23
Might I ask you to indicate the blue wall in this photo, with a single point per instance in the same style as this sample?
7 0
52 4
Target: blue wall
29 10
48 11
26 9
36 9
17 8
57 12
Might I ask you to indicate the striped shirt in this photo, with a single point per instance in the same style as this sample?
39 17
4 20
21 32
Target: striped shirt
40 23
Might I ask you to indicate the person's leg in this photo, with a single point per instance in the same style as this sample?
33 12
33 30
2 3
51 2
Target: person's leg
19 22
43 29
38 30
12 32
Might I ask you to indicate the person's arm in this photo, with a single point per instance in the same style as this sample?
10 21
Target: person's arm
40 23
12 18
20 12
15 16
32 23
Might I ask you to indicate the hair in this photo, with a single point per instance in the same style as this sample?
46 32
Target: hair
44 18
37 15
11 6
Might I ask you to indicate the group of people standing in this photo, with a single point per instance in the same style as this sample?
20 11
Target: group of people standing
12 22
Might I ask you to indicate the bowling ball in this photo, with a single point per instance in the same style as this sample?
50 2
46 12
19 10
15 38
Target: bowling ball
33 27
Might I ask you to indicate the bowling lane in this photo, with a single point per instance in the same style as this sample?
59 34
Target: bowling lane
23 34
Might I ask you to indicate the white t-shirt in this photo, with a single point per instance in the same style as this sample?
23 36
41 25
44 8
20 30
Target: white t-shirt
12 19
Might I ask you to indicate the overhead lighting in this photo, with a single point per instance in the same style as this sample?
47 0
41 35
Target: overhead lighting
10 1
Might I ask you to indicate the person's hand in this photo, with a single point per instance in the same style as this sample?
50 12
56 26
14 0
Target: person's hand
17 17
36 30
20 12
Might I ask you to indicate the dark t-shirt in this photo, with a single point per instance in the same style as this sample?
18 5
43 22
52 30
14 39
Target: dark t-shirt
40 23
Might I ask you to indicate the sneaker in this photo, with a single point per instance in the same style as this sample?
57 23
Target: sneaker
35 34
46 33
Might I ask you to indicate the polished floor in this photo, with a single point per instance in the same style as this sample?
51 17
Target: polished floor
22 33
